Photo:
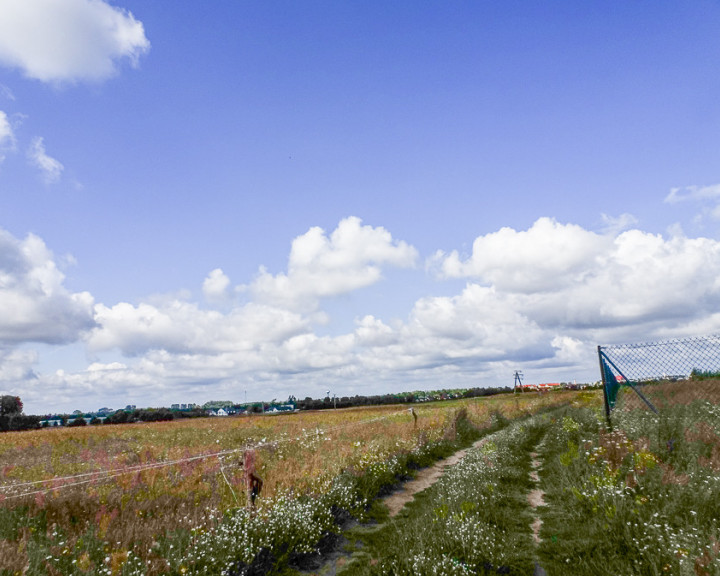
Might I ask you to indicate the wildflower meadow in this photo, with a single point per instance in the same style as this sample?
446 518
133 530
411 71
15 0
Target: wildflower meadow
170 497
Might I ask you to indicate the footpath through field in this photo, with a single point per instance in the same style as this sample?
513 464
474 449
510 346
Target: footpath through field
562 493
475 512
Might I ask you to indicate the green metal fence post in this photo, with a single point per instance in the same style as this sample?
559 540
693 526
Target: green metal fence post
604 384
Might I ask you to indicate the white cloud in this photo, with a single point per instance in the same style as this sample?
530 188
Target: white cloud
7 136
693 193
50 168
564 277
576 289
321 266
215 286
182 327
34 304
469 329
542 258
70 40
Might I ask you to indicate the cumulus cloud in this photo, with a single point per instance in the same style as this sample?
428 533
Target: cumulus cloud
539 299
320 266
544 257
7 136
50 168
181 327
469 329
34 304
68 41
562 276
215 286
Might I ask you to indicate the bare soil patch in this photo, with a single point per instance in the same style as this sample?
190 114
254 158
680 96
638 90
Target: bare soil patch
536 497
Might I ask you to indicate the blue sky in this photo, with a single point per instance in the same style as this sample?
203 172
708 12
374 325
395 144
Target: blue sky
285 198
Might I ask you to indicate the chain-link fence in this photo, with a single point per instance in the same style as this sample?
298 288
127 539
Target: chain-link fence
653 375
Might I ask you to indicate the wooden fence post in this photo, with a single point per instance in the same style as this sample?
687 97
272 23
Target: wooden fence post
253 483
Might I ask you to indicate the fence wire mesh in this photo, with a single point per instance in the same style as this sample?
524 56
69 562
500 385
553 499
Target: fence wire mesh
654 375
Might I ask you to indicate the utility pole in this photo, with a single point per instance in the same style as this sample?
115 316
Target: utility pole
518 381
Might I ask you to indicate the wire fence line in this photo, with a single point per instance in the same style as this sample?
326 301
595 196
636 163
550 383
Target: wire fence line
62 482
652 375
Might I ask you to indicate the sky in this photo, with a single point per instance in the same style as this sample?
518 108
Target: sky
244 200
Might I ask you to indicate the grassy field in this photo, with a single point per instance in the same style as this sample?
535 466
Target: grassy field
642 497
639 498
169 497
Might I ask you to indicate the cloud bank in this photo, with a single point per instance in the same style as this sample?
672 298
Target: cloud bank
540 299
68 41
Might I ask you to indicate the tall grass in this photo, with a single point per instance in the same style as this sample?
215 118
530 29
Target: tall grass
474 520
642 498
170 519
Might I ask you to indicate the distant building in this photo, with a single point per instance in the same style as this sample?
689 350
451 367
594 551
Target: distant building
282 408
51 423
549 386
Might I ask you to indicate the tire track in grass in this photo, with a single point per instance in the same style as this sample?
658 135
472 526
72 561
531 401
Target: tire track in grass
476 518
425 478
395 502
536 499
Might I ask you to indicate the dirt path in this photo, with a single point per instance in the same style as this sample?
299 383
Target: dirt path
425 478
536 497
335 561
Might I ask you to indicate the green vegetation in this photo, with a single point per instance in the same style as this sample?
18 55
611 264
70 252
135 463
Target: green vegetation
474 520
643 498
640 498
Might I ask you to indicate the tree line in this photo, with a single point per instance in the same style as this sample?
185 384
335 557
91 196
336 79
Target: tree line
13 419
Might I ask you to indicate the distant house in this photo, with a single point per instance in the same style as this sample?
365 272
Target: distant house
549 386
221 412
51 423
282 408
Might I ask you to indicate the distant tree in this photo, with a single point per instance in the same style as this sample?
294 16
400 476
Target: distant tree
158 415
119 417
79 421
10 405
